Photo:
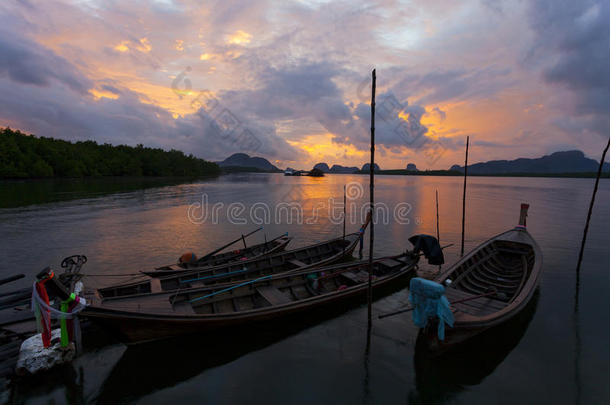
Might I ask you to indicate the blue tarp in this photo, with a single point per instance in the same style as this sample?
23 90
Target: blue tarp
428 299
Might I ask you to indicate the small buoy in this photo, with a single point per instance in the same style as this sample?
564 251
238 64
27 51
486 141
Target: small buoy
187 258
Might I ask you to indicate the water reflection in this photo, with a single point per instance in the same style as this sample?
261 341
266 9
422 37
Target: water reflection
440 379
140 229
167 363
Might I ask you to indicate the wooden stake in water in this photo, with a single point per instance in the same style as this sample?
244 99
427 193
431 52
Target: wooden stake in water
344 216
464 195
438 233
372 195
584 236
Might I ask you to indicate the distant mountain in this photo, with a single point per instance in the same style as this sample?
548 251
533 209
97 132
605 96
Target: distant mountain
242 160
343 169
367 168
323 167
411 167
573 161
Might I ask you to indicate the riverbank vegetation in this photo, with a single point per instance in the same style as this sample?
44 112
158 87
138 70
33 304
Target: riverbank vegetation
27 156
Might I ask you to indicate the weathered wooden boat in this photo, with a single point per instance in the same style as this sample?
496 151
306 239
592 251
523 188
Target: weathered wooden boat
489 285
320 254
138 319
251 252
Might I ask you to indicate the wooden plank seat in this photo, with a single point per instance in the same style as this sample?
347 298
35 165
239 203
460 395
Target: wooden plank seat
356 278
478 306
297 263
273 295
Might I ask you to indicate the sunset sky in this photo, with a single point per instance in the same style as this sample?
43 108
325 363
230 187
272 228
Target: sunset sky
290 80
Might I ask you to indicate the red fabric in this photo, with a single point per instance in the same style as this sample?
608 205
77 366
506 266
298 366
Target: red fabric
46 325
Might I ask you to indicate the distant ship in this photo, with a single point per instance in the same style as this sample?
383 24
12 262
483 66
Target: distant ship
291 172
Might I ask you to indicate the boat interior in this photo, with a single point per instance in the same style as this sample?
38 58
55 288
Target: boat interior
501 266
285 289
256 294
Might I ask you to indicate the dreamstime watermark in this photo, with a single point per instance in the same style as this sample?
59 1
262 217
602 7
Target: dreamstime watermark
221 120
331 210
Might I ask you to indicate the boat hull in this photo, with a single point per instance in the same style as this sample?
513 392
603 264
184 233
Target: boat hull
135 328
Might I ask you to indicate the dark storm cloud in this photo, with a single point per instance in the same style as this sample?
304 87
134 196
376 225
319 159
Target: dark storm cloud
23 61
575 36
446 85
292 92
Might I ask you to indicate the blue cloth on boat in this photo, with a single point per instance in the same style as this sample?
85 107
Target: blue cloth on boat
429 301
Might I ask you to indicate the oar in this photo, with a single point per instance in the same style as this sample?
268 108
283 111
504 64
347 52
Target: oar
400 311
229 244
11 278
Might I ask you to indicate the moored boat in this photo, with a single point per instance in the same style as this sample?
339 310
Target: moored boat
317 255
138 319
488 286
248 253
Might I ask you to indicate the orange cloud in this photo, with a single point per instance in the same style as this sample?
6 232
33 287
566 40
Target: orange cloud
142 45
98 94
122 47
239 38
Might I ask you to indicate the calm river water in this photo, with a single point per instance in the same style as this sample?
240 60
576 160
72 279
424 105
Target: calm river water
551 354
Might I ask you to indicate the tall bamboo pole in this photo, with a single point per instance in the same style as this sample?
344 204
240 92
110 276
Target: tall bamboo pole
464 195
584 236
372 195
438 233
576 328
344 216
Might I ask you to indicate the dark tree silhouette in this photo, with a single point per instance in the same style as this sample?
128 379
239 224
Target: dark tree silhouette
28 156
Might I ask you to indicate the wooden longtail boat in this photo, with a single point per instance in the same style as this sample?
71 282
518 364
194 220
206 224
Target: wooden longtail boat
320 254
252 252
268 298
502 272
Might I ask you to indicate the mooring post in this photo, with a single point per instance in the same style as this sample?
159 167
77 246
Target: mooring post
464 195
344 216
438 233
584 235
372 195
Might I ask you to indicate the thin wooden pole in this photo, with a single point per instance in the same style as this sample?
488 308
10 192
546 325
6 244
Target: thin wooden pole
372 195
577 350
344 216
584 236
464 195
438 233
